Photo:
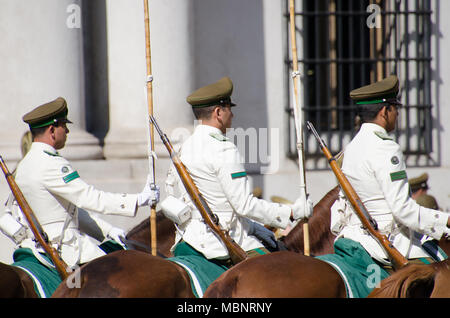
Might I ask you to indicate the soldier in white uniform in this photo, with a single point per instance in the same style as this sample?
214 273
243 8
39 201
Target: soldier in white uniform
55 191
216 167
373 163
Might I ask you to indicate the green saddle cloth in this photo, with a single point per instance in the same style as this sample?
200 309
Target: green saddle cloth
45 279
202 272
358 270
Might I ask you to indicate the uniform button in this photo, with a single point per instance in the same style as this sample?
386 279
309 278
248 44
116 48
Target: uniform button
433 230
122 206
124 195
436 216
278 219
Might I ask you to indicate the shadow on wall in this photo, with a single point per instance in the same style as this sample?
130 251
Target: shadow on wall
95 56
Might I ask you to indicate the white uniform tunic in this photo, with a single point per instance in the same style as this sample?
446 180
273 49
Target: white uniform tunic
374 165
54 191
217 169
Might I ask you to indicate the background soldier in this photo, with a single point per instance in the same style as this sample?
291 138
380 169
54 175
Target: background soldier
418 185
419 192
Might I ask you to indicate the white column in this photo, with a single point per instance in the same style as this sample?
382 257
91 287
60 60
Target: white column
41 59
171 67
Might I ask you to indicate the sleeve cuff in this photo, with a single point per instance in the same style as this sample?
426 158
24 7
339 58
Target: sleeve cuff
281 220
129 206
436 222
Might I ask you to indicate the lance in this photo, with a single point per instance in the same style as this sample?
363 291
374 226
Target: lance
151 156
298 118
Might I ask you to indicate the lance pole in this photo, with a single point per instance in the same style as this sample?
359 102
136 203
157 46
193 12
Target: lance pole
298 118
151 156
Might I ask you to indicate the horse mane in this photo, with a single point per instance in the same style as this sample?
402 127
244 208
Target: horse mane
145 224
139 236
414 280
320 236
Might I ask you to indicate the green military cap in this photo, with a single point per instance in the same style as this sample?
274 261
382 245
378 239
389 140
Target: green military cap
419 182
427 201
384 91
217 93
48 114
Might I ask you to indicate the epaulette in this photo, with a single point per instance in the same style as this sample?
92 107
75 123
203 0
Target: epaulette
383 135
52 154
219 137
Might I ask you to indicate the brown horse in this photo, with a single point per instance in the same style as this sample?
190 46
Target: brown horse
279 274
295 275
16 283
129 274
265 276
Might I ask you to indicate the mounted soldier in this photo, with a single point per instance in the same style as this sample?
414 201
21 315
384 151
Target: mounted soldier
373 163
215 166
56 192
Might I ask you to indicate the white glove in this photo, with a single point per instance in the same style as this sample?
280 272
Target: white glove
149 195
302 208
116 234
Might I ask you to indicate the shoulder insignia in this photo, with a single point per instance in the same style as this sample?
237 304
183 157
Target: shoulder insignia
52 154
70 177
219 137
399 175
382 135
238 175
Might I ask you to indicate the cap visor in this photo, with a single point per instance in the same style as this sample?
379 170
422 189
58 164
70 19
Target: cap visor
64 120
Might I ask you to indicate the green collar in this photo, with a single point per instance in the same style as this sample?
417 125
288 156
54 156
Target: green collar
52 154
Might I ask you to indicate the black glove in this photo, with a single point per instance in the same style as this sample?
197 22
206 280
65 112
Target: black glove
266 236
